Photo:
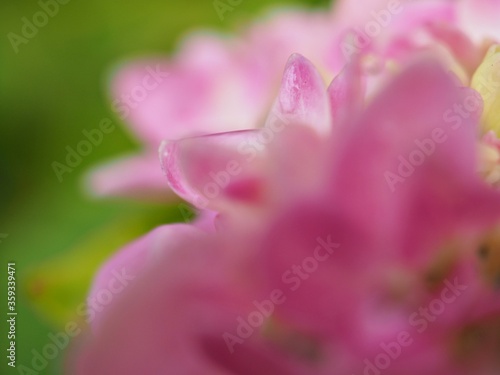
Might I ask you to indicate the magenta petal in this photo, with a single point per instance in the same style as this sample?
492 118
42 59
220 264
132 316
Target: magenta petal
312 254
163 340
407 112
302 98
196 294
417 154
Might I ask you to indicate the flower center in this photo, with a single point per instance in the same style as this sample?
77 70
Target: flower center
440 268
298 344
478 344
489 255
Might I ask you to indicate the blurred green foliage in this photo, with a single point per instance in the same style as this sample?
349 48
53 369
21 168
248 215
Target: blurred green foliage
51 90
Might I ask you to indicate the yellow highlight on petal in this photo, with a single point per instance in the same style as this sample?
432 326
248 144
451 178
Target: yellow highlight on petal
489 160
486 81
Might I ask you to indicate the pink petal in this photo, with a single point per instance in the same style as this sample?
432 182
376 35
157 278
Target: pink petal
460 45
197 297
208 170
327 250
418 157
407 111
291 176
302 98
346 94
206 90
136 176
127 264
479 18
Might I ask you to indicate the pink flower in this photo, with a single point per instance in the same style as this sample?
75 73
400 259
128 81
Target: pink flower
216 84
362 245
213 84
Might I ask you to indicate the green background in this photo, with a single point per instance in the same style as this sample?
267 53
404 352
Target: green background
50 91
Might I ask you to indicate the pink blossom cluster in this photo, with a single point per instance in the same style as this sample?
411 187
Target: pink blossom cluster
345 170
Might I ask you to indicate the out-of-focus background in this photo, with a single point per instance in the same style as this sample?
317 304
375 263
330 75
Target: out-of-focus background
53 88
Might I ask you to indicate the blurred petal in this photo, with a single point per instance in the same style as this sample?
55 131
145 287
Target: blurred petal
322 250
127 264
480 18
208 88
416 107
346 93
136 176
